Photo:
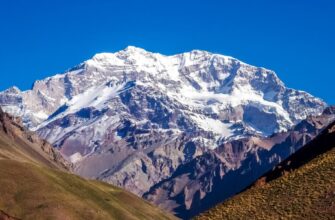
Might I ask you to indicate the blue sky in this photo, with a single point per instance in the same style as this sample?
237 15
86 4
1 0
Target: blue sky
295 38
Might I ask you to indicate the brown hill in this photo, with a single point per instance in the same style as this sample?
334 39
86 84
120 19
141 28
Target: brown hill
35 184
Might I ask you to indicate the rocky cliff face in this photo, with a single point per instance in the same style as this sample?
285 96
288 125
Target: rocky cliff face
221 173
31 143
301 186
133 118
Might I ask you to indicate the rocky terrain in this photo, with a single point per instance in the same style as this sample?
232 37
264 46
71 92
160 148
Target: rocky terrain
221 173
30 145
145 121
300 187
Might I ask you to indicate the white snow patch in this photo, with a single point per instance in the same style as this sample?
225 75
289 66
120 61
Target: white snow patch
216 126
76 157
41 115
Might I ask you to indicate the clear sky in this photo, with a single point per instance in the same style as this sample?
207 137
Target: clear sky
296 38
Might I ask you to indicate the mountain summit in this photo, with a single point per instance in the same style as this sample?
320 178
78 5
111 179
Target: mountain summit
212 84
133 117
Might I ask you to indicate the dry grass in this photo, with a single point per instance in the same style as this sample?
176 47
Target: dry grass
31 189
306 193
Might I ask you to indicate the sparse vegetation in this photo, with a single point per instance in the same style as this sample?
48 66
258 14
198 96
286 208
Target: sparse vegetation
31 187
29 191
305 193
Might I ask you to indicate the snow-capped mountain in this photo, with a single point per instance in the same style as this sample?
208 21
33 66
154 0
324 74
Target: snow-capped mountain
133 117
216 86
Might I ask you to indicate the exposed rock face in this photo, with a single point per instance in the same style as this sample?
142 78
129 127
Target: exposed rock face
219 174
216 86
135 118
323 143
12 127
301 186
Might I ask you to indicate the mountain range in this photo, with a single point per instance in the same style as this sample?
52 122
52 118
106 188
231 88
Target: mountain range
185 131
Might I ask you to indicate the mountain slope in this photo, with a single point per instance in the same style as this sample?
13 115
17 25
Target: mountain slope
134 116
216 175
300 187
34 192
35 184
213 85
18 143
138 119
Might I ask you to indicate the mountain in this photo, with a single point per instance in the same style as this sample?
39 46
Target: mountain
216 175
300 187
135 118
35 184
20 144
199 83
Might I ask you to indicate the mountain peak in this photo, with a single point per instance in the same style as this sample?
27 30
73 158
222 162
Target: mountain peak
134 49
128 56
132 117
13 90
196 79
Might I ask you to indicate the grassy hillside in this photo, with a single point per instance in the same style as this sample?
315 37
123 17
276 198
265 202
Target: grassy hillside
29 191
34 187
306 191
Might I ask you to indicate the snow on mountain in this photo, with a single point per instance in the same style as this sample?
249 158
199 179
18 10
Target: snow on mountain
216 175
209 82
132 117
